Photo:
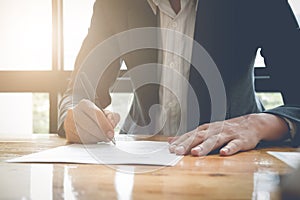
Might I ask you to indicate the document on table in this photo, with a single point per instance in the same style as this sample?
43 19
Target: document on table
125 152
290 158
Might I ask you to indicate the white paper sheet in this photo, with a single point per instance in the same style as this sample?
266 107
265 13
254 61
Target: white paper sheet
290 158
125 152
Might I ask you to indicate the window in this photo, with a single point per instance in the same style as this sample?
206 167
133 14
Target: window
274 99
25 37
24 113
295 4
26 45
40 40
77 17
30 78
16 115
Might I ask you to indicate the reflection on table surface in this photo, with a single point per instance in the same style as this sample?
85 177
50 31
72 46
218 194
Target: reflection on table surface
247 175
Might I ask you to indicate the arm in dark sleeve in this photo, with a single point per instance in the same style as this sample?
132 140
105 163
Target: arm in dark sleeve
101 28
281 50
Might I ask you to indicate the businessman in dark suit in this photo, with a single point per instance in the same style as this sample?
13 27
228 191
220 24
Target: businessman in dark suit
231 32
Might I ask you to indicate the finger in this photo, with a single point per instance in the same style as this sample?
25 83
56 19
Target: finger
72 129
213 142
179 139
207 146
231 148
87 138
204 126
105 124
73 137
194 139
87 124
92 137
95 114
172 139
114 118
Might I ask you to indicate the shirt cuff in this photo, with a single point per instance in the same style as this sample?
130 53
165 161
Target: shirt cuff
292 127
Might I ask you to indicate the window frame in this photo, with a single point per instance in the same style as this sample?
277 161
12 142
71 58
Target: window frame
39 81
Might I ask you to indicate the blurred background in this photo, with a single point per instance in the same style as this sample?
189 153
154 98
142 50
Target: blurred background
40 40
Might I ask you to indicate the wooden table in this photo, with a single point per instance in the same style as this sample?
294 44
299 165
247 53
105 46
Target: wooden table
247 175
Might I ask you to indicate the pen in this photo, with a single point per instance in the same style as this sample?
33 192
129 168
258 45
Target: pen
113 140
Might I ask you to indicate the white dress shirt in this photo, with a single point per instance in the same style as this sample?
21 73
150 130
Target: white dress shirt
184 23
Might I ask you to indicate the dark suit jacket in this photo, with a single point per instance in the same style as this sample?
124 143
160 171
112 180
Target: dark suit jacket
231 31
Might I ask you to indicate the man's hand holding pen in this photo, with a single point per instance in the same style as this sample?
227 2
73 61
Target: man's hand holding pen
86 123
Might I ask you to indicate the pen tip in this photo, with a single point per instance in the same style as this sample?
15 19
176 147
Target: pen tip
113 140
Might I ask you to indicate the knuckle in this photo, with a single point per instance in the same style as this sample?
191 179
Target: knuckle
189 134
117 117
83 102
202 127
236 145
107 112
226 136
199 135
219 139
230 130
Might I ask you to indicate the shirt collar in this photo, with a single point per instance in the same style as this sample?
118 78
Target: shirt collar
154 4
